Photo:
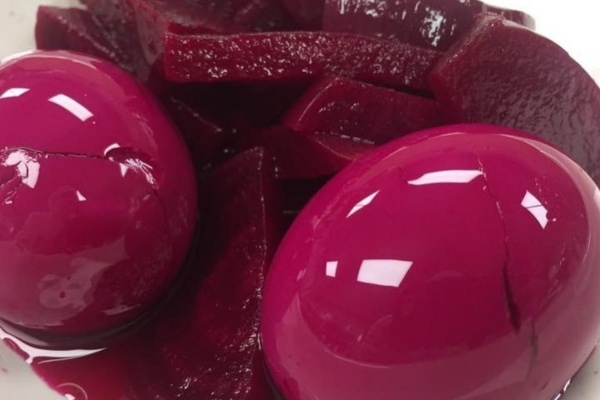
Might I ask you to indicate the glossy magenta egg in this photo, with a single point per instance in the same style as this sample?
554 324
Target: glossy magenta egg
97 196
460 263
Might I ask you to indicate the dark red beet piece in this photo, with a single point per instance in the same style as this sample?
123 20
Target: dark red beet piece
240 107
145 23
501 73
207 346
264 16
259 105
148 20
204 342
519 17
117 21
154 18
296 193
205 137
358 110
303 156
77 30
308 13
116 16
277 56
428 23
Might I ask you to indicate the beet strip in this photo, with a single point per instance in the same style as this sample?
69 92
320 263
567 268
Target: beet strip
77 30
276 56
344 107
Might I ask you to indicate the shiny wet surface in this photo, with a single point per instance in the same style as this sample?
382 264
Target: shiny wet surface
463 266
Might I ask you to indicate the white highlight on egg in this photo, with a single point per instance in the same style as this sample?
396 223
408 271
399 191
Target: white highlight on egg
27 167
331 269
536 208
138 166
448 176
72 106
14 92
80 197
389 273
362 204
111 147
123 168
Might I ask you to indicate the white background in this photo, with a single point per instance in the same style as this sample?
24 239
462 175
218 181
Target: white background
574 24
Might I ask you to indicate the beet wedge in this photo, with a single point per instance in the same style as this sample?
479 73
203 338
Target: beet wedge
117 20
264 16
205 346
204 136
519 17
277 56
153 18
428 23
202 342
147 21
308 13
77 30
140 25
305 156
502 73
345 107
296 193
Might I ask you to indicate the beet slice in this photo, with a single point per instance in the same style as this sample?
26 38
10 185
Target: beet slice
519 17
153 18
296 193
117 19
502 73
305 156
149 20
358 110
77 30
248 106
431 23
205 346
308 13
264 16
205 137
116 16
428 23
276 56
239 107
142 24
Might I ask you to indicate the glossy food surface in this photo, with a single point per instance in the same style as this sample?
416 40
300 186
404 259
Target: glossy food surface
295 56
503 74
203 342
457 263
97 195
434 24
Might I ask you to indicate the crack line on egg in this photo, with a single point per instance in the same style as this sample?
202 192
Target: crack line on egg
513 308
514 312
107 157
511 303
45 154
533 344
